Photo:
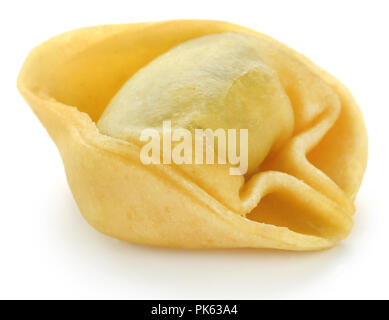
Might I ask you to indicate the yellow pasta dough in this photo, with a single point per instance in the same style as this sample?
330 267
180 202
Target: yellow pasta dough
96 89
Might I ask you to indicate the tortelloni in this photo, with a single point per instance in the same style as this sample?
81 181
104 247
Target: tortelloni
96 89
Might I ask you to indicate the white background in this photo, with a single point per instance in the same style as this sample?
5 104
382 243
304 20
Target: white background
47 250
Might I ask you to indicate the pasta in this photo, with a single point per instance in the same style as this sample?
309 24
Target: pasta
97 89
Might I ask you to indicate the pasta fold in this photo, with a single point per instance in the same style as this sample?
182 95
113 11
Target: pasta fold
307 139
